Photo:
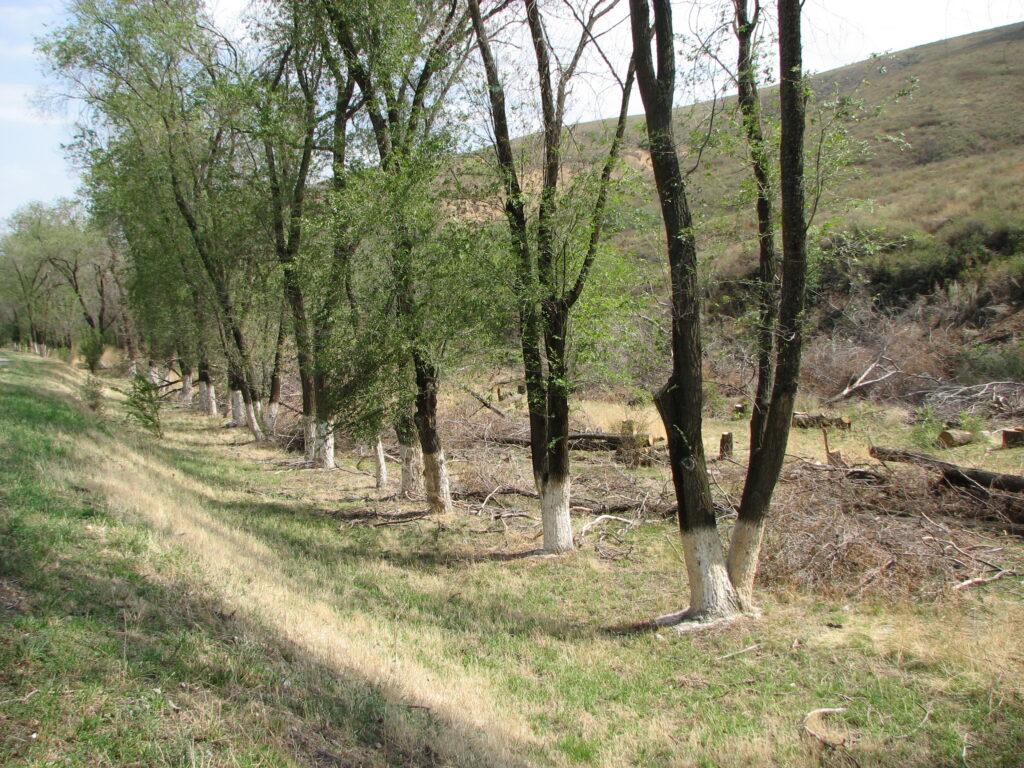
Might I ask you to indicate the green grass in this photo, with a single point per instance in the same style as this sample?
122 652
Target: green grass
163 666
115 651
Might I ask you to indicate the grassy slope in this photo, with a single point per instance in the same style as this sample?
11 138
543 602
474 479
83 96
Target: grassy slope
199 601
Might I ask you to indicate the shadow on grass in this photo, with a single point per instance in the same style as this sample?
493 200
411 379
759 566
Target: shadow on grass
109 654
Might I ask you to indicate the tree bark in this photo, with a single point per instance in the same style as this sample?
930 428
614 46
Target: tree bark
435 471
679 402
381 473
411 456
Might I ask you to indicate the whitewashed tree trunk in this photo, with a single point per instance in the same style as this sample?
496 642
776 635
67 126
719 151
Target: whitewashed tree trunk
381 474
237 409
411 456
435 481
252 420
554 512
712 595
154 376
186 389
309 438
323 456
203 399
211 403
133 368
744 553
273 409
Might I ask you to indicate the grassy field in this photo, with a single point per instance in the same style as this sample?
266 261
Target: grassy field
200 600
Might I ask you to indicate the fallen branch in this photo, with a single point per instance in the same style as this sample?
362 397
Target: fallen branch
862 382
982 580
818 713
485 402
963 477
601 519
748 649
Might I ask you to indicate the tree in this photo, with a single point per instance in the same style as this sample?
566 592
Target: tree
405 57
155 74
555 255
719 589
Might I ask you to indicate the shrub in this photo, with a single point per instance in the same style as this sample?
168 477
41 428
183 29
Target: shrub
92 395
143 405
92 349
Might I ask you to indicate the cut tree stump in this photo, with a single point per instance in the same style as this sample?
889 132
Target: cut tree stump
951 438
1013 438
725 446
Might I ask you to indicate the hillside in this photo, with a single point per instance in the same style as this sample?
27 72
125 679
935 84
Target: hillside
949 149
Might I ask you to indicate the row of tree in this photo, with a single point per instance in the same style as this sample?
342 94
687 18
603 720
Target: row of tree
303 199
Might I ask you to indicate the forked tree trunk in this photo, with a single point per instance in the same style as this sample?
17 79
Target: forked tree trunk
381 474
679 402
767 457
411 456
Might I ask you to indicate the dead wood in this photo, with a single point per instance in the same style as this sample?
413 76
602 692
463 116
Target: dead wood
962 477
1013 438
579 441
952 438
820 421
485 402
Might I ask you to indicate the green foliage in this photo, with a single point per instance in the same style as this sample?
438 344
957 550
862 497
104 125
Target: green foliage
990 362
143 405
91 348
926 428
91 393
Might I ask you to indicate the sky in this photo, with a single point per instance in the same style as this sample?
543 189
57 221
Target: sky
33 167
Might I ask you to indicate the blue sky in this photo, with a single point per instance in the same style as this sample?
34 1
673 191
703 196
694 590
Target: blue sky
32 164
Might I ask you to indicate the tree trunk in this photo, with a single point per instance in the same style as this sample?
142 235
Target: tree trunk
252 419
309 434
270 420
679 401
555 483
411 456
323 445
555 519
766 458
381 474
435 471
186 383
237 408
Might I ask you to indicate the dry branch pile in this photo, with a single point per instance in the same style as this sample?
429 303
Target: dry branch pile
901 537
